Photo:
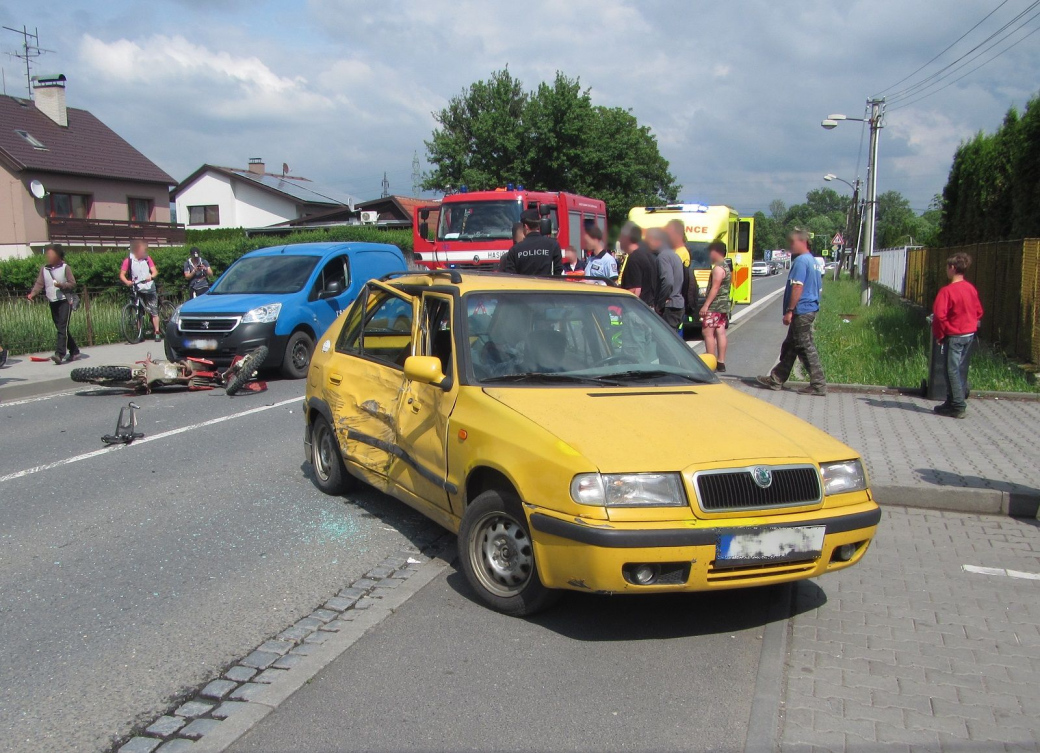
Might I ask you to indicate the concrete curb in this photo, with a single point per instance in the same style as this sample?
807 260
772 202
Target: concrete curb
269 698
763 732
875 389
955 499
37 388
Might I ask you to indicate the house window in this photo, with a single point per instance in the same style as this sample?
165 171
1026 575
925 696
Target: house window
204 215
70 205
35 142
140 209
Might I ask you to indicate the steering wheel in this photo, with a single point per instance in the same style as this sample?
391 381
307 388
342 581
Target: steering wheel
618 359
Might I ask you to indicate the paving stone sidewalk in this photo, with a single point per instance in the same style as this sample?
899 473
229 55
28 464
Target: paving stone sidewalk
904 444
908 651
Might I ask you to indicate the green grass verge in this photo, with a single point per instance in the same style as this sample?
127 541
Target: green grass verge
887 344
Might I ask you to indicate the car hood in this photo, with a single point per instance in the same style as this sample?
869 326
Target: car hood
228 304
671 428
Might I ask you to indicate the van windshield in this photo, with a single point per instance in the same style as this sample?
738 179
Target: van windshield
266 274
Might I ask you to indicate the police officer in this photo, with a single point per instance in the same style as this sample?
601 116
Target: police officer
536 255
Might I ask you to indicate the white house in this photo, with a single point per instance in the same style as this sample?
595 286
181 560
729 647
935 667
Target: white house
223 197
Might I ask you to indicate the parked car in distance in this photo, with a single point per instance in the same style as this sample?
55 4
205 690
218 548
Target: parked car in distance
525 415
762 269
282 297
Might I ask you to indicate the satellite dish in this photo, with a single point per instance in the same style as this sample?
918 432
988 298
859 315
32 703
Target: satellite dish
36 189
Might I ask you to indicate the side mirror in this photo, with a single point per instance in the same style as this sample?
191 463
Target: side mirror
545 226
545 210
332 289
710 361
424 369
424 230
424 214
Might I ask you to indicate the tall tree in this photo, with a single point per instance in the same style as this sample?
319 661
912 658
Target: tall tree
551 139
778 210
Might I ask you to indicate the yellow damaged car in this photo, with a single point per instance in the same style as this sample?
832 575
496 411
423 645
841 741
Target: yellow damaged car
573 441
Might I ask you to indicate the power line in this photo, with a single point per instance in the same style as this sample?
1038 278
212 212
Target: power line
980 65
934 78
947 49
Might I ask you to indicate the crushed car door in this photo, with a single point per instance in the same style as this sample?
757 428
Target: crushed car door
365 378
421 468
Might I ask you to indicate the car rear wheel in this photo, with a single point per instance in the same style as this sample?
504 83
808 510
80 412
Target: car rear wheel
297 355
497 555
329 472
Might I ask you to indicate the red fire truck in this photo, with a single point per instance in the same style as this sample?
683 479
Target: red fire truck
474 229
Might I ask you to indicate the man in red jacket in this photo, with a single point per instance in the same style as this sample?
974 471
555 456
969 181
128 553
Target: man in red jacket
956 314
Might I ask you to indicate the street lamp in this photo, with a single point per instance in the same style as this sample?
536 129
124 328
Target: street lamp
876 121
853 212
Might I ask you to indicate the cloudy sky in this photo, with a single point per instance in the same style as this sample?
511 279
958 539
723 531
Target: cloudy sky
342 90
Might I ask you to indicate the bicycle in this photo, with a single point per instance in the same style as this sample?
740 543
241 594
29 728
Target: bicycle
134 314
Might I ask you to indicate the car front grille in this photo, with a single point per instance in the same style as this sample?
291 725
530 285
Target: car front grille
203 324
737 489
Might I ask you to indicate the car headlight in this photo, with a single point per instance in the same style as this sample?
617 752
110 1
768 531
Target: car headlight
176 317
628 490
263 314
846 476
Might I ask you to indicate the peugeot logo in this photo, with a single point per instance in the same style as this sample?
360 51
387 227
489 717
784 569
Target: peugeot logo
762 476
205 325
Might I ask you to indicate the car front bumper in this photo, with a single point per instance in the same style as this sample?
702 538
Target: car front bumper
594 556
222 347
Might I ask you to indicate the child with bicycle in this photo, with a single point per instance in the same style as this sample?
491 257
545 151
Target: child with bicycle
139 269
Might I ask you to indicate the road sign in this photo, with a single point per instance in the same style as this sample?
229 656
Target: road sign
837 240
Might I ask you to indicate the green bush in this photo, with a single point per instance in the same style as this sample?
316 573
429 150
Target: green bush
100 269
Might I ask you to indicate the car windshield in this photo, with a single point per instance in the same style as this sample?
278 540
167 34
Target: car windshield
266 274
486 220
574 338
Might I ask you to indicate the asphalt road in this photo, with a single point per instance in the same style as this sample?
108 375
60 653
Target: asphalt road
133 575
595 673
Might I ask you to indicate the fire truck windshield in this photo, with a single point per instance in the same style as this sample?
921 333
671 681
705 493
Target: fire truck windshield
483 220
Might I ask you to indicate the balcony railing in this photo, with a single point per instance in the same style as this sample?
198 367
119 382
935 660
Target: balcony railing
77 232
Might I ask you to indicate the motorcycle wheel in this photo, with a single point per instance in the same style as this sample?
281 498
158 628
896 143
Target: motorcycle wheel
245 370
103 375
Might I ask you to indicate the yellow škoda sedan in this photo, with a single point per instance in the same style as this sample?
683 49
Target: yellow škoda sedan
573 442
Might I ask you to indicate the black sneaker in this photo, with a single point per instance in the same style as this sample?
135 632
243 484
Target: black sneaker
720 368
71 357
57 359
769 383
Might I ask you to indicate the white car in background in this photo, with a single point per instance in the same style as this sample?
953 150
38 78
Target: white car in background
761 269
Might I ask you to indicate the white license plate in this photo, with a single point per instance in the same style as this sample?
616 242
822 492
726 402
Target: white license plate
202 344
770 545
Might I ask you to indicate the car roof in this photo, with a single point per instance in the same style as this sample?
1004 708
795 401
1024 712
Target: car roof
321 250
475 281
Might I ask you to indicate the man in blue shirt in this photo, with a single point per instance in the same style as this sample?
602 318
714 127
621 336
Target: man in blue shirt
801 304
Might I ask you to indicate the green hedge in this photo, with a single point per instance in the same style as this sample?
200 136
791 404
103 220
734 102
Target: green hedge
220 247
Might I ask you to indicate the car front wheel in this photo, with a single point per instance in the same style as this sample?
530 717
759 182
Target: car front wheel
497 555
297 355
330 474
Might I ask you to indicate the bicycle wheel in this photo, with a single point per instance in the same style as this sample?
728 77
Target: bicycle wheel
166 310
130 323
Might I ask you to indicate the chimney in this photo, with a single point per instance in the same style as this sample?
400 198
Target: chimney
256 165
49 95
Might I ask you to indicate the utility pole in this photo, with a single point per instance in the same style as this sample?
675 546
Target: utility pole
30 51
876 121
416 176
386 186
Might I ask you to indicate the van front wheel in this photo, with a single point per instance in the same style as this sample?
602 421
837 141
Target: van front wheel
297 355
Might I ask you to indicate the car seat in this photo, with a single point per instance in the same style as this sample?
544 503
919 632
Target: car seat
544 350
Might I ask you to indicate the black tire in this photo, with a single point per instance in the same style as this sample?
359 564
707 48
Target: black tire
130 323
330 474
510 582
166 311
247 369
103 374
297 355
171 354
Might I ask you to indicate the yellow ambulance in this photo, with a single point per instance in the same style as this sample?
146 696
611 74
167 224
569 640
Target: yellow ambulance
703 225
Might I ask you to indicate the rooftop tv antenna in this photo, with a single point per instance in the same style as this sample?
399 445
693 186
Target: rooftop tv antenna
29 51
416 177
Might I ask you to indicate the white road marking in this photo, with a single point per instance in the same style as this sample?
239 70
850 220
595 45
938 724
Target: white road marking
741 316
144 440
999 571
28 400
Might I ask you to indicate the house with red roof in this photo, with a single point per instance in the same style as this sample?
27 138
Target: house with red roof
66 177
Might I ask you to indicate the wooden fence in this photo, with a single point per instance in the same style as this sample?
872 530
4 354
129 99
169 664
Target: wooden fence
1007 275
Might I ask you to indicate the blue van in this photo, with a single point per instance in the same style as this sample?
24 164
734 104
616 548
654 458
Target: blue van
283 297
